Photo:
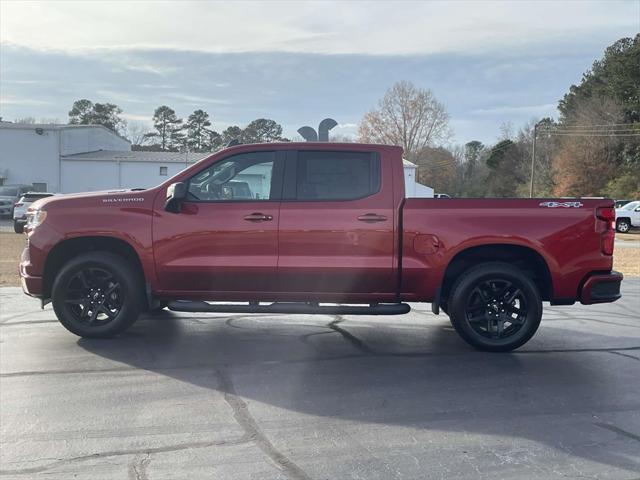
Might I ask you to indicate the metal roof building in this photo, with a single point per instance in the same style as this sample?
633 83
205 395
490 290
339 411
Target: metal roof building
77 158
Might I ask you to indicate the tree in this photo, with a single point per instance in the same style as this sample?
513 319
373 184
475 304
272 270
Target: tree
505 163
198 135
215 141
27 120
584 164
233 132
472 151
262 130
406 116
85 112
168 129
616 76
81 112
136 133
437 169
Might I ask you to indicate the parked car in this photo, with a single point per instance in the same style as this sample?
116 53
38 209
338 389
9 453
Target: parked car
621 203
628 217
9 195
20 208
332 234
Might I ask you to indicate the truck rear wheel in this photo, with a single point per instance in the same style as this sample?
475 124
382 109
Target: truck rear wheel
97 295
495 307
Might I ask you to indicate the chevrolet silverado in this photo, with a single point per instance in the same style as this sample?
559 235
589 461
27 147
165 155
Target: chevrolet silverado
315 228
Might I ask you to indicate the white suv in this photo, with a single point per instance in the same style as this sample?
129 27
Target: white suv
628 216
21 206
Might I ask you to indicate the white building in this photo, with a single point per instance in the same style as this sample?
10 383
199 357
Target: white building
77 158
81 158
413 189
108 169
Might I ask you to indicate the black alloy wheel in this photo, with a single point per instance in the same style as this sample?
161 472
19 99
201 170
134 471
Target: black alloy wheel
495 307
98 294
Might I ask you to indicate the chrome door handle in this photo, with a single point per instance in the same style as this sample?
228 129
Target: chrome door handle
372 218
258 217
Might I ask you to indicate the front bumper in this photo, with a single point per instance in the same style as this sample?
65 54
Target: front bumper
31 285
601 288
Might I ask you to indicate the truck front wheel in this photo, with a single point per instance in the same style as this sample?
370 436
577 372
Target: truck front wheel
495 307
97 295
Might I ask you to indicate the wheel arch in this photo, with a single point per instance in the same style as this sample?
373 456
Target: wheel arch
71 247
527 259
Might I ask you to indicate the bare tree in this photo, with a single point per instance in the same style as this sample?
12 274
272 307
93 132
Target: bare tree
136 132
406 116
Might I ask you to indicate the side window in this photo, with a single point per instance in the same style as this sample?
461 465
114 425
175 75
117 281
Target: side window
336 175
247 176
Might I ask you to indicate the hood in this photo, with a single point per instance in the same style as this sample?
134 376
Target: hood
104 197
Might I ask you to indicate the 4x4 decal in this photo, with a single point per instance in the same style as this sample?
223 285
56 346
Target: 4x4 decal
561 204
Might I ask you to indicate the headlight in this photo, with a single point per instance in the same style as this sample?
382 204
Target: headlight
35 217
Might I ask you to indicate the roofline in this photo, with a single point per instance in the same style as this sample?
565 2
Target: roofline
55 126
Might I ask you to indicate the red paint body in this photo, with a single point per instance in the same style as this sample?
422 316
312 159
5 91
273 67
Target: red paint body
319 251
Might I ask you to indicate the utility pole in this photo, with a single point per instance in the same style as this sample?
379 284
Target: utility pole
533 158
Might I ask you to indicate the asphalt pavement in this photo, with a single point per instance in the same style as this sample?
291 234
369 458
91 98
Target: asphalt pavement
190 396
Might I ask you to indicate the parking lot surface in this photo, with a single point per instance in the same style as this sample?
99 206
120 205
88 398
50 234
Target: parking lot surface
316 397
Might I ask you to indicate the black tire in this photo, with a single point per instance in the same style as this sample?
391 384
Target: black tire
18 227
97 295
495 307
623 225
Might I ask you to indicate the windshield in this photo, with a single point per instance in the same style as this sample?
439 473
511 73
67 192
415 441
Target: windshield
8 191
630 206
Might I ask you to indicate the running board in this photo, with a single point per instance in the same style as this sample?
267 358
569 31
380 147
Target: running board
301 308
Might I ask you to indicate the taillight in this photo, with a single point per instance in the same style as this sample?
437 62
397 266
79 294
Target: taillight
607 238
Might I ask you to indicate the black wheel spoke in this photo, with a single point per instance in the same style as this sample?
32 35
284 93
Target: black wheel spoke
112 288
513 309
83 279
106 311
512 296
477 318
500 294
75 301
94 315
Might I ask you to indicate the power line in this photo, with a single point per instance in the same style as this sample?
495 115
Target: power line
581 126
617 129
583 134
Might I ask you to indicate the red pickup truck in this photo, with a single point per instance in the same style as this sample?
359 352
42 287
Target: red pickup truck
315 228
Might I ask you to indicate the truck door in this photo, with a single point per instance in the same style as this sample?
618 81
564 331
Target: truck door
225 238
336 239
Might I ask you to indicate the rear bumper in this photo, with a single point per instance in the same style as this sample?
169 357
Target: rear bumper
601 288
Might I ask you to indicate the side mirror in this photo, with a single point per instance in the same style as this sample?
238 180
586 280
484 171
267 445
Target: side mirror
176 193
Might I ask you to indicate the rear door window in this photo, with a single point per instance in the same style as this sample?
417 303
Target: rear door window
328 176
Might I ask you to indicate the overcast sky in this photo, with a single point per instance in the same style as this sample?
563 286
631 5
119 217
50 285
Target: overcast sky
298 62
